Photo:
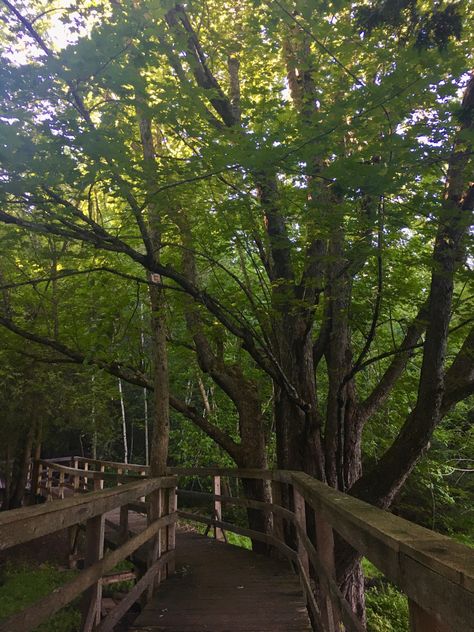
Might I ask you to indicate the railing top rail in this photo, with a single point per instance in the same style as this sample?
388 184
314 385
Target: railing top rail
113 464
385 538
92 474
283 476
27 523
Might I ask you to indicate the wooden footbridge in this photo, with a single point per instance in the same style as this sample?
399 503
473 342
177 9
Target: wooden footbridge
188 582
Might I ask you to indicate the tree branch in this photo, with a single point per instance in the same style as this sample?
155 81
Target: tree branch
128 374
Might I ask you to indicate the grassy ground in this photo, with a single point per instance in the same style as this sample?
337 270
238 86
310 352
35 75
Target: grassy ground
387 607
23 584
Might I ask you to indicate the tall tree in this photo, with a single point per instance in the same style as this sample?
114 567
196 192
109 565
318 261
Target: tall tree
298 156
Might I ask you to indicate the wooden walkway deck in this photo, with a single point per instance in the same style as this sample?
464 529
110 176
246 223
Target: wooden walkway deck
223 588
218 587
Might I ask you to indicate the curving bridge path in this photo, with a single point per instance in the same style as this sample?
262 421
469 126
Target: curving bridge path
186 582
218 587
223 588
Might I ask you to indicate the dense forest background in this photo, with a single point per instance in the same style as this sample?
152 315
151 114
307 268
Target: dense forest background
238 232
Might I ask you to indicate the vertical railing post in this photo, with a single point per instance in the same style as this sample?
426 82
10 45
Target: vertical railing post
142 498
278 529
123 533
94 551
218 532
49 483
325 551
300 514
61 484
76 477
86 480
97 484
40 480
171 529
102 470
154 511
423 621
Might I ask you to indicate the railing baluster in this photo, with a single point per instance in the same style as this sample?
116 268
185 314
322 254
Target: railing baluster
49 483
142 473
61 484
154 511
123 533
171 529
102 469
94 552
218 532
39 487
325 551
76 476
277 526
300 514
86 480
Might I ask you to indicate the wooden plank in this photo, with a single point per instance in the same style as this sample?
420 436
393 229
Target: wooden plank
44 609
225 588
28 523
121 576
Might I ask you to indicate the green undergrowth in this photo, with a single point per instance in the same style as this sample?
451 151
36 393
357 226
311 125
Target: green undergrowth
22 585
387 607
110 589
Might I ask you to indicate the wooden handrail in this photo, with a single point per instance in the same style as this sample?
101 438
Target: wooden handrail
435 572
21 525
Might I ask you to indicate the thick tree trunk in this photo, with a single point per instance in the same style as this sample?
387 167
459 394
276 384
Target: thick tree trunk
152 239
253 455
161 425
20 469
298 431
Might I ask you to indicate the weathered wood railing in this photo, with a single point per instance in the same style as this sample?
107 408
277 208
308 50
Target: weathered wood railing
22 525
52 478
435 572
